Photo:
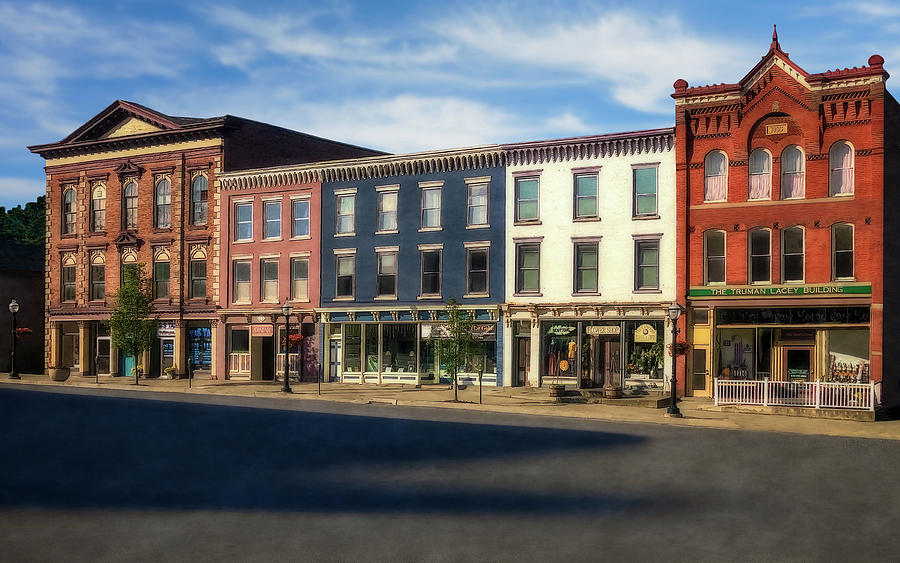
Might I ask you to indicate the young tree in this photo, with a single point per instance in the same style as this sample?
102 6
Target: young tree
131 327
456 347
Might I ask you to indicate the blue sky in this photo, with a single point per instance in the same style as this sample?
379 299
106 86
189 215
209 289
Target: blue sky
398 76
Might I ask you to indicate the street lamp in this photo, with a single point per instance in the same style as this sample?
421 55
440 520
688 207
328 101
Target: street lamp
13 372
674 312
286 309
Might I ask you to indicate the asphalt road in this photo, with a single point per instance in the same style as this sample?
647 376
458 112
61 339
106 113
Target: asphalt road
91 475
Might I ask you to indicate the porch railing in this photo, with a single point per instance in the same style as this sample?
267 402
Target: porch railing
818 394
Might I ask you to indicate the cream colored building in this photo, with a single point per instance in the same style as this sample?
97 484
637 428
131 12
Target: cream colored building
590 260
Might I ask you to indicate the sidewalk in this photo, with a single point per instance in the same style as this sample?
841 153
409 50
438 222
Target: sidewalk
698 412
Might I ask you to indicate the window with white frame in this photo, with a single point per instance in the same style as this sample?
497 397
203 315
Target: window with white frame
243 221
241 281
431 208
268 290
644 185
586 195
840 159
527 199
714 257
98 208
760 174
199 194
387 211
130 204
793 180
431 272
528 267
346 214
477 266
98 276
792 267
300 218
163 201
346 271
477 204
69 211
760 256
386 280
300 279
586 266
271 219
715 177
646 265
842 251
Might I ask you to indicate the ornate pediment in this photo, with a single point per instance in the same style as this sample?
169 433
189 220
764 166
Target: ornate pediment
127 238
130 126
129 169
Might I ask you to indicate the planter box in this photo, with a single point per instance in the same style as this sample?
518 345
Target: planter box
58 374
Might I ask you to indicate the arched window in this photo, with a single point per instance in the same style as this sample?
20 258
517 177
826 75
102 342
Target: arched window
760 174
98 276
129 260
792 250
68 277
198 272
69 211
842 251
793 182
161 273
130 199
760 256
199 191
714 257
163 203
98 208
840 159
715 172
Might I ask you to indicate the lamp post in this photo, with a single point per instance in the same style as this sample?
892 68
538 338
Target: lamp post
287 309
674 312
13 372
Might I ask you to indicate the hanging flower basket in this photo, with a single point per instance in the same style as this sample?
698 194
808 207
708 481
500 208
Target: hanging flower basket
23 331
681 348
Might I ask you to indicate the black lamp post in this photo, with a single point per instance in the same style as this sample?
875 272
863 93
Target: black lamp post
287 309
13 372
674 312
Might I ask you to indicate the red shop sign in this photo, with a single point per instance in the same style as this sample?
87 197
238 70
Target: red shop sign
262 330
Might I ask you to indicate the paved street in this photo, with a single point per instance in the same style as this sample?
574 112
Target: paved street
118 475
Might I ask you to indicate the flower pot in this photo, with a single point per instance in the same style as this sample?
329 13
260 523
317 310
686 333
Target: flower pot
58 374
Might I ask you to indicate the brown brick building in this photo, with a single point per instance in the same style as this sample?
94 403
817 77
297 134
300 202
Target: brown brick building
784 179
133 185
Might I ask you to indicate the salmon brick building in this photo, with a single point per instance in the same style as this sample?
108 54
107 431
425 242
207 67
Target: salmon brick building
784 182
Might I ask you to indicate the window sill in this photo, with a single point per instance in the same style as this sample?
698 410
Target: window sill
794 282
586 220
269 301
201 227
385 298
390 232
197 301
341 235
349 298
90 234
240 303
476 295
279 239
430 229
304 300
478 226
429 297
242 241
68 235
644 217
162 230
302 237
527 223
586 294
528 294
844 280
647 291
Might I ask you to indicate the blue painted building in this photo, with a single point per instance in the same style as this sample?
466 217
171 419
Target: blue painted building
401 236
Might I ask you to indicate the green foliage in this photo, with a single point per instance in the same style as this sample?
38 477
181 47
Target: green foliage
131 325
648 358
459 344
24 226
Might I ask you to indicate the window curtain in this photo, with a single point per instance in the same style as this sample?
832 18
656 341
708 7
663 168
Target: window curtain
841 169
792 180
760 175
715 186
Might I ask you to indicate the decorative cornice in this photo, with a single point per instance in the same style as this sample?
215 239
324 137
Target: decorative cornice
618 144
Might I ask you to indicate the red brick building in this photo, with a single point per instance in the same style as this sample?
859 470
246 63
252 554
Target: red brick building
133 185
782 180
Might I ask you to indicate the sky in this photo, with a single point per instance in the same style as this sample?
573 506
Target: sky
399 76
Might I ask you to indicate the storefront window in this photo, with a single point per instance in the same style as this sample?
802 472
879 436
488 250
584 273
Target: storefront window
484 356
240 341
200 347
352 343
848 355
737 352
644 352
398 348
371 348
429 368
559 349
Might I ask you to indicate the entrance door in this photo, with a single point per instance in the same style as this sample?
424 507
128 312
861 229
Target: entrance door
268 358
103 346
523 360
126 364
798 363
334 360
610 361
699 372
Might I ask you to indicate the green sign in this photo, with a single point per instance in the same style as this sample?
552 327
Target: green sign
781 290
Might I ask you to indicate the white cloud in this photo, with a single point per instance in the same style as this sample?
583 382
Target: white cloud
21 190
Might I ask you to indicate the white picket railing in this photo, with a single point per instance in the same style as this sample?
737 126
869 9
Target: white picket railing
818 394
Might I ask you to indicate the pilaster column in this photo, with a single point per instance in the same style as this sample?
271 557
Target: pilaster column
180 343
113 360
534 374
217 366
85 359
55 344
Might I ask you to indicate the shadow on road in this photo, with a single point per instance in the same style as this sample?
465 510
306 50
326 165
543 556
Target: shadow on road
74 451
